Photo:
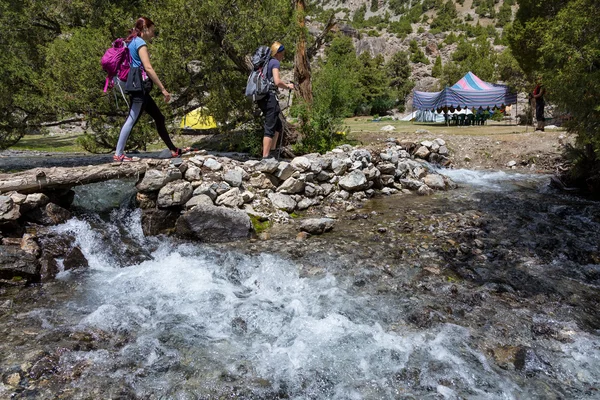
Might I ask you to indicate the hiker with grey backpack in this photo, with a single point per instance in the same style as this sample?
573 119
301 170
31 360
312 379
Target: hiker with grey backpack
263 85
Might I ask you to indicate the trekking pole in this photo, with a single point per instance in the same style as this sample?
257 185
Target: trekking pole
283 123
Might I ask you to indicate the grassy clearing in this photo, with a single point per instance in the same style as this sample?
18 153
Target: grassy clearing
67 143
49 143
365 124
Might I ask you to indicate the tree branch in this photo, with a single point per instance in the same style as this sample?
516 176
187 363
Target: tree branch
320 39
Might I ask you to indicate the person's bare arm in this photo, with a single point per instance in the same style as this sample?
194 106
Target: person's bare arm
143 52
278 82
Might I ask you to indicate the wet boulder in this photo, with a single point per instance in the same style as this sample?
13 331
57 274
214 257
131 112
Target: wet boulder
208 223
51 214
317 226
75 259
18 264
435 181
157 221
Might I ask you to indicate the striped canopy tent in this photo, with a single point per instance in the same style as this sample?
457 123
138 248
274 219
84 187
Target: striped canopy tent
468 92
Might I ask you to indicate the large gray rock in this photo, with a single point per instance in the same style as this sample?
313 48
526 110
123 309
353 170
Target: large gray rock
212 164
301 163
34 200
435 181
193 173
154 179
198 200
422 152
268 165
339 166
174 194
360 155
316 226
386 168
16 263
9 211
284 171
214 224
282 202
291 186
207 190
306 203
261 181
411 184
232 198
233 177
355 180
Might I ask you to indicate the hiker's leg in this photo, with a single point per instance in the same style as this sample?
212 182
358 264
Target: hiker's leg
271 119
278 129
135 111
266 146
159 119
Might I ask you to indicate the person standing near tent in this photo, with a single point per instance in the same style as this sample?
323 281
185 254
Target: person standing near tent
538 97
143 32
269 105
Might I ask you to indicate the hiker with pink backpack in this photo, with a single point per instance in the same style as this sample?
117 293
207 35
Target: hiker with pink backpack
130 63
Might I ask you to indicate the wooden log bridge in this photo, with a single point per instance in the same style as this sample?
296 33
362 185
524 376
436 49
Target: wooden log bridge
41 179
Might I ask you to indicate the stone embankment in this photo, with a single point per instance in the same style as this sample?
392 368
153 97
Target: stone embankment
213 199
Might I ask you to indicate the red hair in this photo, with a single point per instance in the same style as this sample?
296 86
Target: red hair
140 24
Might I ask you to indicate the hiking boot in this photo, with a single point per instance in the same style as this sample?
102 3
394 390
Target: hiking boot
124 158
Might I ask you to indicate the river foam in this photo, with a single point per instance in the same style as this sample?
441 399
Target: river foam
194 311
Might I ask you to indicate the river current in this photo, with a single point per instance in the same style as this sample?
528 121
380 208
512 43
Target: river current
157 318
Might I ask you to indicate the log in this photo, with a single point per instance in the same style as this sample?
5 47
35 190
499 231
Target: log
41 179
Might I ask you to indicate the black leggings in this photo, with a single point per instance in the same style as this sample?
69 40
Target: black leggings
270 108
139 104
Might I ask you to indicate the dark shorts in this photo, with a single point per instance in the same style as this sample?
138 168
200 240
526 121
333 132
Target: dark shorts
539 110
270 108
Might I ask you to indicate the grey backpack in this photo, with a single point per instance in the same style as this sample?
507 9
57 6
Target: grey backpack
258 85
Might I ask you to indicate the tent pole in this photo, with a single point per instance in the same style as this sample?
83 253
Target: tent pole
516 110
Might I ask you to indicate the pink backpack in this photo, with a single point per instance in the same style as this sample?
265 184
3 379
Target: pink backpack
115 62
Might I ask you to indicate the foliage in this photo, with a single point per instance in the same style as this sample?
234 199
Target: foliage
444 20
559 41
417 54
373 85
476 56
52 68
399 71
437 69
400 28
335 95
504 15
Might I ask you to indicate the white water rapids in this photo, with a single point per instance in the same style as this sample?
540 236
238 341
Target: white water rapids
197 320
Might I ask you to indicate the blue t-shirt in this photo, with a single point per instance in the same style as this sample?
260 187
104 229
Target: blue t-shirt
273 63
134 47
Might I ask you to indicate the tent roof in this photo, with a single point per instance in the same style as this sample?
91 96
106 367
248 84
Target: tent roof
471 82
470 91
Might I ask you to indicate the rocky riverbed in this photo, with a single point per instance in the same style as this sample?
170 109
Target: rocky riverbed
491 288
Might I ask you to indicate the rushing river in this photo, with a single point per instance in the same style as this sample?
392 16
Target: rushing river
156 318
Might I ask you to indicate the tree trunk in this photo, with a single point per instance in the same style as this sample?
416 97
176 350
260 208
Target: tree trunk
40 179
302 72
